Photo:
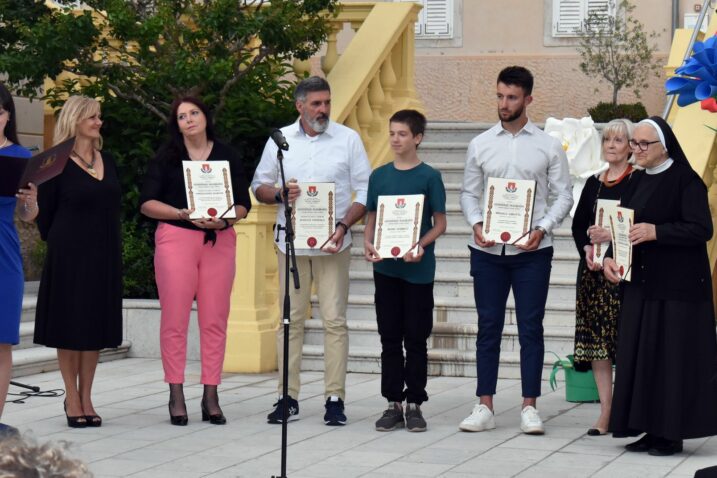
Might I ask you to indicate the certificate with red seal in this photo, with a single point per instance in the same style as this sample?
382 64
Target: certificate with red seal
621 219
508 210
313 215
398 224
209 189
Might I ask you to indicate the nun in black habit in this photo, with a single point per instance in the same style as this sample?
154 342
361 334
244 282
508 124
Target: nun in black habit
666 372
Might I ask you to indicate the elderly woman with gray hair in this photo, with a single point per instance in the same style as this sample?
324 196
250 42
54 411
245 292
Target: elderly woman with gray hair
666 381
598 301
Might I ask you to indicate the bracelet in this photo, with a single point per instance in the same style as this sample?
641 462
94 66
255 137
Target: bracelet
28 208
277 197
343 225
226 225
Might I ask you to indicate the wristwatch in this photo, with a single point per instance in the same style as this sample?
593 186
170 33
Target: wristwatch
341 224
278 198
541 229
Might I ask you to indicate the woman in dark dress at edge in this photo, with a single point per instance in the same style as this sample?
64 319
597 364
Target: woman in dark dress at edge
598 301
12 280
666 378
79 306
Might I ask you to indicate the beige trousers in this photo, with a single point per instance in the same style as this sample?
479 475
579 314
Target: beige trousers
330 275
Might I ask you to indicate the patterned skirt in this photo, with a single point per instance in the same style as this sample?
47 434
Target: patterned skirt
596 311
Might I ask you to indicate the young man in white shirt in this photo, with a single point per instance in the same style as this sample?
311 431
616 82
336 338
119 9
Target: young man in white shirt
320 151
513 149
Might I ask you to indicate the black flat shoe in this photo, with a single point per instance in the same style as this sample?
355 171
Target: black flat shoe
641 445
217 419
595 432
179 420
93 420
663 447
74 422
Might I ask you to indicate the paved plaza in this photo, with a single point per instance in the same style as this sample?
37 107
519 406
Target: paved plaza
137 440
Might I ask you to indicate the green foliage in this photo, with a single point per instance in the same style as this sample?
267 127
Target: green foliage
137 56
617 50
605 112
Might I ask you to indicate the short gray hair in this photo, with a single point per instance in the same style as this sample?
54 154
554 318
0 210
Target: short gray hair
310 85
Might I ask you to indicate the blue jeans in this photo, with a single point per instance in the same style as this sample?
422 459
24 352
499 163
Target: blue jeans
493 275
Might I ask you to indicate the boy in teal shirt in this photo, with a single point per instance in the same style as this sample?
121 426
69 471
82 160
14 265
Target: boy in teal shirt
404 286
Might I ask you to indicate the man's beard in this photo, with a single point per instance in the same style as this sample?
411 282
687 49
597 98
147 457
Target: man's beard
513 116
317 125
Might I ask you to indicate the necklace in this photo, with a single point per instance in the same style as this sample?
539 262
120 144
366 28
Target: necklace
90 166
4 143
623 174
204 154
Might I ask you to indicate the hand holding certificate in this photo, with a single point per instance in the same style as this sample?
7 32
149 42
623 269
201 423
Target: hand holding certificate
209 189
314 215
508 210
398 224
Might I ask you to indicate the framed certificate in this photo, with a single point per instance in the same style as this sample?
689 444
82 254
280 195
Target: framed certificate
604 208
508 210
398 224
313 215
621 220
209 189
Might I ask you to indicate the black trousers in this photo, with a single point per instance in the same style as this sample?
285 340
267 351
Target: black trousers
404 312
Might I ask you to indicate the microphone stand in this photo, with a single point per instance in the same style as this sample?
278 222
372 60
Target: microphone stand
290 254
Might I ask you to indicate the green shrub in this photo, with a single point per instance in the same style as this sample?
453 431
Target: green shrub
604 112
235 55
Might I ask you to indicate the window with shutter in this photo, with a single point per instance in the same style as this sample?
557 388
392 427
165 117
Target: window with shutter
435 19
569 15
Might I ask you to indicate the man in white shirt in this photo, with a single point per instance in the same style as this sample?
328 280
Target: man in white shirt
513 149
320 151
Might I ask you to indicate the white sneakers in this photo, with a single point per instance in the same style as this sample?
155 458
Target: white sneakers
530 421
479 420
482 419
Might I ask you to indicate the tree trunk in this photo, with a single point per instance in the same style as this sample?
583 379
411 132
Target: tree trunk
615 90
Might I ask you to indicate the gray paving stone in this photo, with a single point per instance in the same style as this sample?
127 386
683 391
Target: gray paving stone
136 439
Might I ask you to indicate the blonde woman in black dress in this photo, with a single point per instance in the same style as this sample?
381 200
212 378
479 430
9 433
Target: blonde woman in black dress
598 301
79 306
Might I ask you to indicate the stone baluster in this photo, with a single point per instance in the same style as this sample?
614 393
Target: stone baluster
301 67
388 82
365 116
332 54
376 99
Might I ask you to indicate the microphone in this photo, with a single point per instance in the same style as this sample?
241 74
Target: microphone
279 139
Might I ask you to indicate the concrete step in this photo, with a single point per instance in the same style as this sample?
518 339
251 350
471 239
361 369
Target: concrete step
441 362
437 154
38 359
458 337
456 310
452 172
459 284
29 301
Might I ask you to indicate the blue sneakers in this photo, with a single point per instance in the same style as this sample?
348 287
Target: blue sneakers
277 416
334 416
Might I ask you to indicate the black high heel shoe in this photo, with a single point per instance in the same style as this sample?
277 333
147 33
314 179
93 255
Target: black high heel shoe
217 419
176 394
74 422
179 420
93 420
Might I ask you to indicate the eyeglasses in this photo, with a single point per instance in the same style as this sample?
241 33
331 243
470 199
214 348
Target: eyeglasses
642 145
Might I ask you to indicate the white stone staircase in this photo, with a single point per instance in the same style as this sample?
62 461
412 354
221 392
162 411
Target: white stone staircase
29 358
452 344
